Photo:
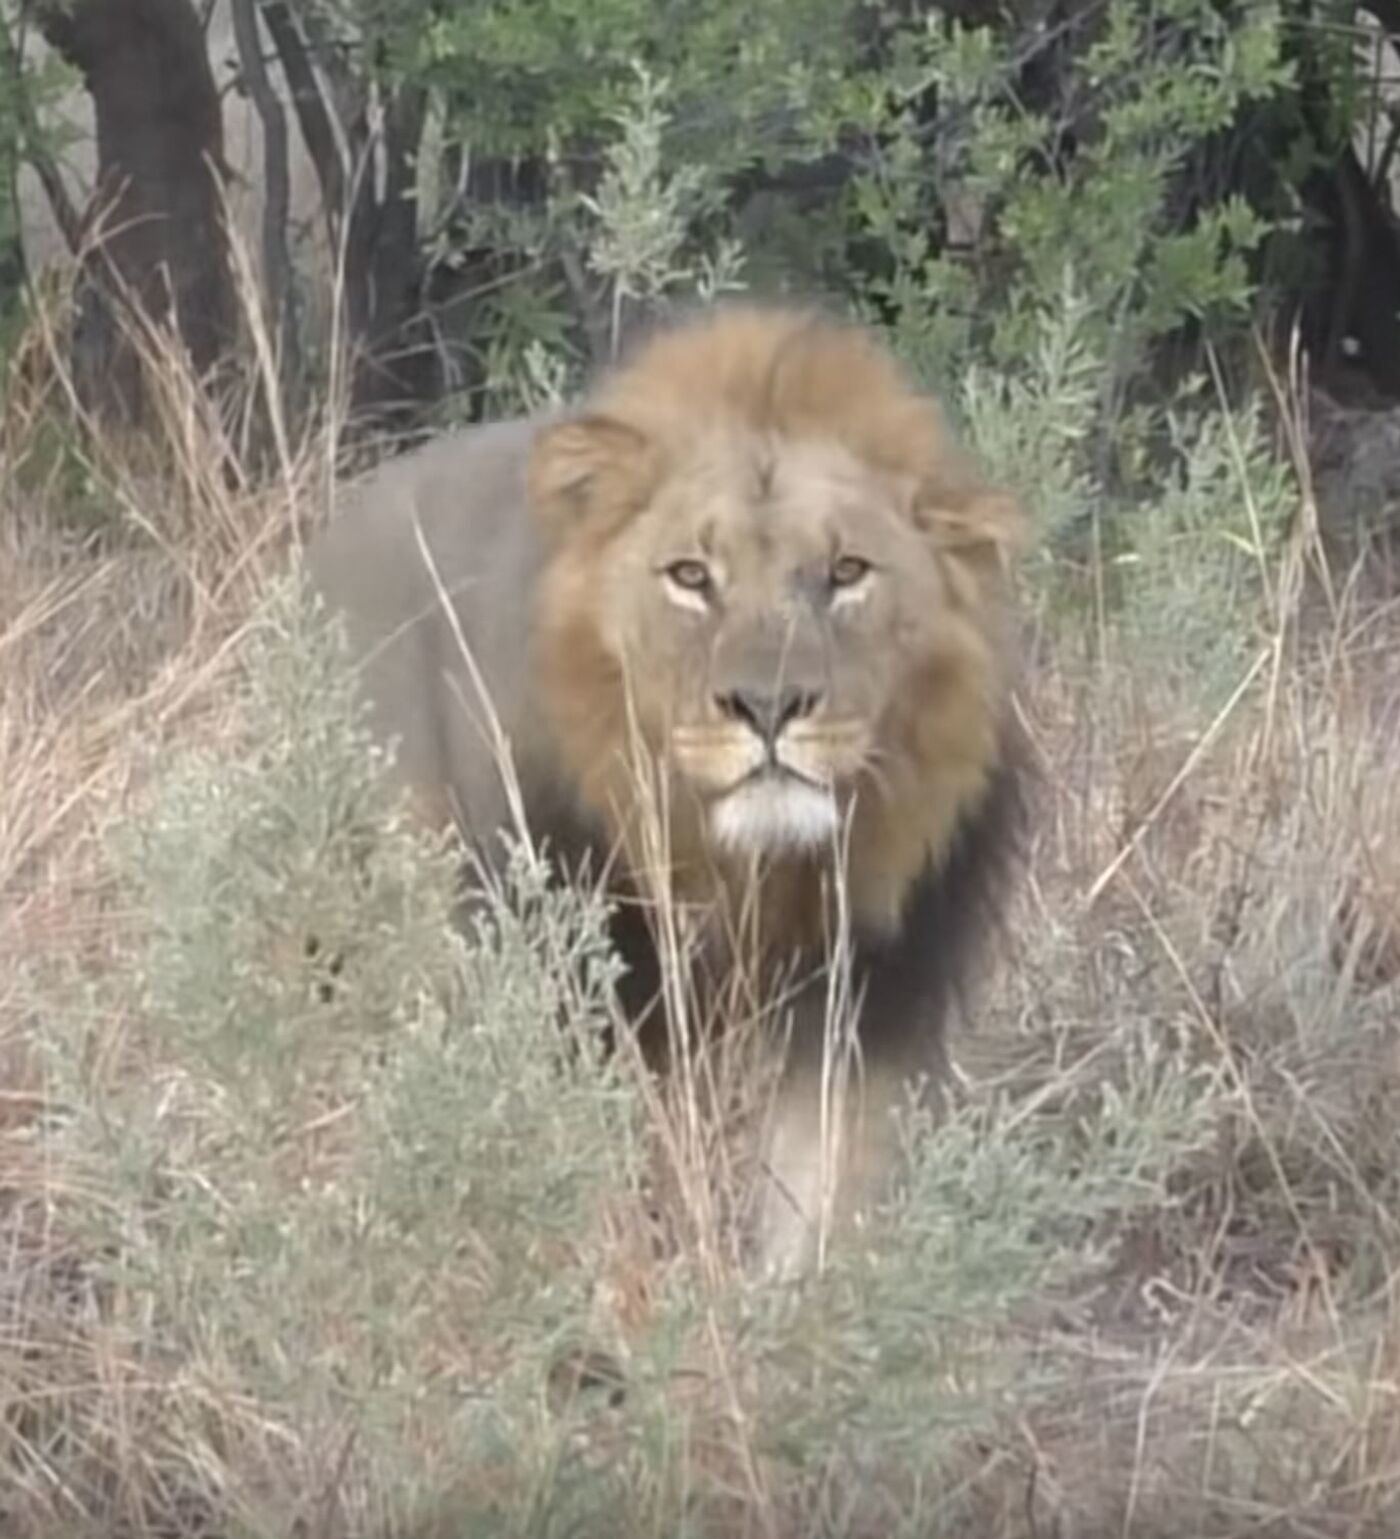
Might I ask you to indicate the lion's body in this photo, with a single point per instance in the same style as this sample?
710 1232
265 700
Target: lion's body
466 491
759 565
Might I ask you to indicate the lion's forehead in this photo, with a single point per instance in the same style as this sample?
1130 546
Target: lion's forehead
772 500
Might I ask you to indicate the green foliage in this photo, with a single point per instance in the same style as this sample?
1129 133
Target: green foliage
1197 557
642 213
1035 424
1097 194
642 235
518 76
1189 525
240 860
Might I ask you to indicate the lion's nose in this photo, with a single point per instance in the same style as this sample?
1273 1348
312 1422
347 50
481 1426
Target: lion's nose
768 711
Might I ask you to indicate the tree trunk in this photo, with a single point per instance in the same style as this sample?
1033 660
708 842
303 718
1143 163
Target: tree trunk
396 370
160 244
367 193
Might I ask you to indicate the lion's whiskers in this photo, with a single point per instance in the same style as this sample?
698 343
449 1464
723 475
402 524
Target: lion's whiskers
872 768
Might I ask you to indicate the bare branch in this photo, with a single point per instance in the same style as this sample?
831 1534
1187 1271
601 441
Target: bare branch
276 261
313 116
343 90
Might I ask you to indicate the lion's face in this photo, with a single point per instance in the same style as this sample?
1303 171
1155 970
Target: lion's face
765 609
799 621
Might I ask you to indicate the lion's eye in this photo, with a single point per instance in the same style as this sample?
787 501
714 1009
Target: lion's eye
693 576
847 571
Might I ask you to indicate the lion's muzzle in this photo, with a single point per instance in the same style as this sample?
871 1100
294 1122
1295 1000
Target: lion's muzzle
762 771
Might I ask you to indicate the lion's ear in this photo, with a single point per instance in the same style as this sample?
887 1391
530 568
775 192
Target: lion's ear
990 523
586 467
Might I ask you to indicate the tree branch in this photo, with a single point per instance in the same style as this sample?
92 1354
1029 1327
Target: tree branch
343 91
309 104
276 260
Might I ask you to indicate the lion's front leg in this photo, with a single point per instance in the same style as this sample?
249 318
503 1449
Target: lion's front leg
830 1146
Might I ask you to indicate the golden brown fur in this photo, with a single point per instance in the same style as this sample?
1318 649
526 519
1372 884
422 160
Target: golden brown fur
757 561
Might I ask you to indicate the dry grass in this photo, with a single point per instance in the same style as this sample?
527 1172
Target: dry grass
1230 881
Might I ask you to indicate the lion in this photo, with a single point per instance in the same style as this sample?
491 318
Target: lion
756 554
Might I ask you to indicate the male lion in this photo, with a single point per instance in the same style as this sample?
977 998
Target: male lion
757 556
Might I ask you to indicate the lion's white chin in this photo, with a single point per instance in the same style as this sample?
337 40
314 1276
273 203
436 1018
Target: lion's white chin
772 815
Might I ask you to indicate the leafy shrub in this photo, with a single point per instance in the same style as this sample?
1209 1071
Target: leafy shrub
1093 194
